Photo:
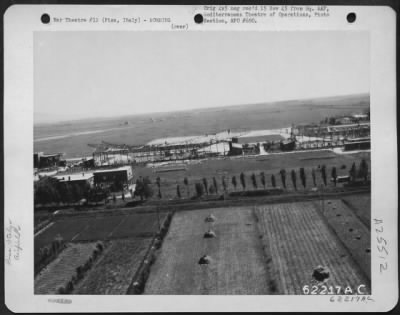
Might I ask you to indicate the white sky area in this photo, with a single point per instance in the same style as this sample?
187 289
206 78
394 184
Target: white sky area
103 74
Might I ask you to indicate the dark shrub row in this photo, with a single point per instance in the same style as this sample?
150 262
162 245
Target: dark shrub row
141 276
48 254
81 270
254 193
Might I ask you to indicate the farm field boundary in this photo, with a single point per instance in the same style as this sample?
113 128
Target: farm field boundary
360 213
349 231
298 240
63 269
140 278
183 205
91 228
112 273
236 259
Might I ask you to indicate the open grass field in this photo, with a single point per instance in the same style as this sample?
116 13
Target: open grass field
237 259
63 268
350 230
100 227
297 240
269 164
361 205
72 137
114 271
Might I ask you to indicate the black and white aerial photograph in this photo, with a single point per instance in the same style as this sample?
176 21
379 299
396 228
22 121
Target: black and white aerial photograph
201 163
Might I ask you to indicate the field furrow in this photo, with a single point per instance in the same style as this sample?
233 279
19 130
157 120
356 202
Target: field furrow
361 205
299 240
350 231
63 268
113 273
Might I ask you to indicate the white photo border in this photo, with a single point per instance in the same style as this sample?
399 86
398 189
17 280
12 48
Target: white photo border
20 24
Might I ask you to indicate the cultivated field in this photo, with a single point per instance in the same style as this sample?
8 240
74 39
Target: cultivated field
63 268
361 205
297 240
100 227
349 230
271 249
114 271
237 259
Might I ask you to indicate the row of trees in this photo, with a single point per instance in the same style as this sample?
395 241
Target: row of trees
49 190
205 187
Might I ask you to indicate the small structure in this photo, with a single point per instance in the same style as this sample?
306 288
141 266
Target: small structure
88 163
341 179
357 117
204 260
320 273
343 120
115 178
42 160
209 234
78 179
362 144
287 145
235 148
209 218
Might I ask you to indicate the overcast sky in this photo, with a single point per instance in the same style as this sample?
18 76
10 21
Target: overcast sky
96 74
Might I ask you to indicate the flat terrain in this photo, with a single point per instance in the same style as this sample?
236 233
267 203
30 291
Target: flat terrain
361 205
63 268
271 249
114 271
73 137
237 259
269 164
349 230
297 241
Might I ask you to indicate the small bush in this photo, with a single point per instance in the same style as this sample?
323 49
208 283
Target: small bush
95 253
137 287
272 286
70 287
61 290
74 279
152 258
79 272
99 246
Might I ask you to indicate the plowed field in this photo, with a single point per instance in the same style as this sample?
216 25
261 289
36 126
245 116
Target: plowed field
271 249
298 240
100 227
113 272
61 270
349 230
361 205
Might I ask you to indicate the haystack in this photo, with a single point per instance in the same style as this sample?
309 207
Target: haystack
205 260
209 234
210 218
321 273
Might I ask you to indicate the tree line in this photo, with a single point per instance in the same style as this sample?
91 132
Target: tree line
298 179
49 190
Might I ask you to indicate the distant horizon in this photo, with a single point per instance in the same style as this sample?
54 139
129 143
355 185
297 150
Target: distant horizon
198 109
79 75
